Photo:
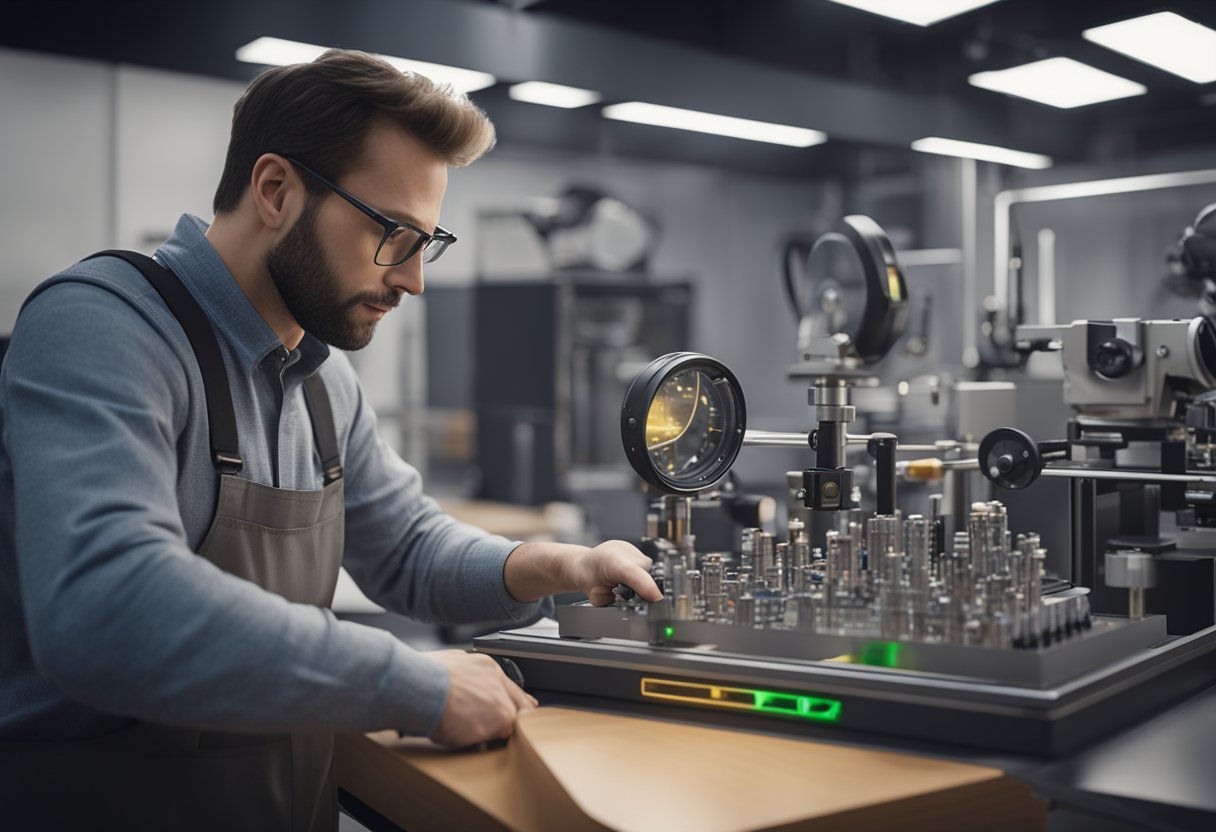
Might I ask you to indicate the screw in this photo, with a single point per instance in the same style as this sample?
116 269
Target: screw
1163 351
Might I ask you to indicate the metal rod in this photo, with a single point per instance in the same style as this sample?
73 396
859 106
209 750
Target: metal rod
1047 276
949 445
970 245
780 439
771 438
1112 474
933 449
911 258
1069 472
947 464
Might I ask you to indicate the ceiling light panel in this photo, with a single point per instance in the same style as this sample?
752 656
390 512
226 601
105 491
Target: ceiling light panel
1165 40
919 12
280 52
739 128
553 95
982 152
1060 82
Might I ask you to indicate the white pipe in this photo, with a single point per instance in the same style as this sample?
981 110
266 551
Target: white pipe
1005 200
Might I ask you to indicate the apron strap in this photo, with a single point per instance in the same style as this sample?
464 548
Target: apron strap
221 417
323 432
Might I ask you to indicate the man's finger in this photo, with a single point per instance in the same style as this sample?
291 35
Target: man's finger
519 697
639 580
600 596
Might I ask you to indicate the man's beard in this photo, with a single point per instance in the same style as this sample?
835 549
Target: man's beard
309 288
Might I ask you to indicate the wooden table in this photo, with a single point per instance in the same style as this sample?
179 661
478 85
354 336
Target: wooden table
570 769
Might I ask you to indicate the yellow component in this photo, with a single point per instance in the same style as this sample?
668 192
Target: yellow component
893 283
847 658
924 470
698 692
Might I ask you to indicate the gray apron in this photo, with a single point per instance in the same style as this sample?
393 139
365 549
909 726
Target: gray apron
150 776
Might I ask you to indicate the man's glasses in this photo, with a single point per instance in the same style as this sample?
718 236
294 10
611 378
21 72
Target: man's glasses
401 241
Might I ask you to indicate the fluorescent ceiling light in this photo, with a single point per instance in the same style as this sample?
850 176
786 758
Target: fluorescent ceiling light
1060 82
279 52
1165 40
739 128
983 152
920 12
553 95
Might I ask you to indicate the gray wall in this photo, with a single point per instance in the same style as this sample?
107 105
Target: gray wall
56 152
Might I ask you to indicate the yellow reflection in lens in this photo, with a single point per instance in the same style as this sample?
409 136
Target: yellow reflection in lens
673 409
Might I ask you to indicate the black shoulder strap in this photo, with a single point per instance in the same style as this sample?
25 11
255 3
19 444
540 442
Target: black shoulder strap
323 431
221 418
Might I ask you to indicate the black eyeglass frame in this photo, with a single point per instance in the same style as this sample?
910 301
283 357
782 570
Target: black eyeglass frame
390 226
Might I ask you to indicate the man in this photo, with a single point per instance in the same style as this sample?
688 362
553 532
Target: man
184 464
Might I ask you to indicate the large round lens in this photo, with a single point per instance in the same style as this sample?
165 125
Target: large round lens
683 422
687 423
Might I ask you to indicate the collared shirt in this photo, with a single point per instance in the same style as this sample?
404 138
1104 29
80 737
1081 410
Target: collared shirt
107 490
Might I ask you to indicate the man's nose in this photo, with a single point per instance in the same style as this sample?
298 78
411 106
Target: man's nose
407 277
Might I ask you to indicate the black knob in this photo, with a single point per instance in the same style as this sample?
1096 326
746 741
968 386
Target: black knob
511 669
1114 358
1010 459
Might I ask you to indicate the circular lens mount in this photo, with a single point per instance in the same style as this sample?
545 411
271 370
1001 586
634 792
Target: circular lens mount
682 422
855 268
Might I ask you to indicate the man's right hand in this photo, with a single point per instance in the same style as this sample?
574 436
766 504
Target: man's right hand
482 704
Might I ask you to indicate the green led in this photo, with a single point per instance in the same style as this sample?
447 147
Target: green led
808 707
880 654
669 632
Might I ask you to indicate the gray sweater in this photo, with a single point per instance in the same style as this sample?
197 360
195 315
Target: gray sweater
106 491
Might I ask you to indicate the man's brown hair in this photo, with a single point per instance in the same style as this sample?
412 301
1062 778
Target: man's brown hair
320 113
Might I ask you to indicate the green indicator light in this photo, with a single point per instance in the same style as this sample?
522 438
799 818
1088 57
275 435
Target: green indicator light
669 632
808 707
880 654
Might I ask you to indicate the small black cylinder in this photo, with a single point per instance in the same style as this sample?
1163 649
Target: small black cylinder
829 444
882 448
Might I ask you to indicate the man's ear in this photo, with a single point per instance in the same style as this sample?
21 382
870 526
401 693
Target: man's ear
277 191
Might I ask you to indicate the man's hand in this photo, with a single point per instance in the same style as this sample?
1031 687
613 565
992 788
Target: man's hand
534 570
596 571
482 704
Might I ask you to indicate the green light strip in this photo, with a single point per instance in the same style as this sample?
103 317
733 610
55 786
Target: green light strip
800 705
880 654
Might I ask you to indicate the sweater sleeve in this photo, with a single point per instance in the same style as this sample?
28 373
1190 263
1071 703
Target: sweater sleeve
405 553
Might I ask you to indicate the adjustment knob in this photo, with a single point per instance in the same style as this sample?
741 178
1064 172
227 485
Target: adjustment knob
1010 458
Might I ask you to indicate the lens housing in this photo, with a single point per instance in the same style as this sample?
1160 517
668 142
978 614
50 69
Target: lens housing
682 422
